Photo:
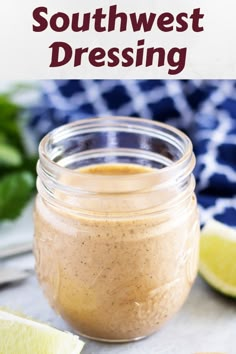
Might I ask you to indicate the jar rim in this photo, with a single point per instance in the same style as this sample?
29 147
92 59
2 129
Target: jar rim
186 161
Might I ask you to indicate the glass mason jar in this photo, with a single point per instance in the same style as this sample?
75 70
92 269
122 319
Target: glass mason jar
116 225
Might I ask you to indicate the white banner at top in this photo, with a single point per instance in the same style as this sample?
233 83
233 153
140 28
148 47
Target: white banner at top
153 39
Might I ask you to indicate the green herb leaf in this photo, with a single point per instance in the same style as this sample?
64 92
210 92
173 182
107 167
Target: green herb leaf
9 156
15 191
9 122
17 166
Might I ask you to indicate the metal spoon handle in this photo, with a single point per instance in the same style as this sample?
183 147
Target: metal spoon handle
15 250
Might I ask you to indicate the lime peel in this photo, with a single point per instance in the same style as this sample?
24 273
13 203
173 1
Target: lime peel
24 336
217 257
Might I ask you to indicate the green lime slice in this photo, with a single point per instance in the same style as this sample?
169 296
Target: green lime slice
218 257
23 336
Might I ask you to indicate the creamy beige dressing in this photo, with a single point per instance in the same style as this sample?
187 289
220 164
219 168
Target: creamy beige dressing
116 278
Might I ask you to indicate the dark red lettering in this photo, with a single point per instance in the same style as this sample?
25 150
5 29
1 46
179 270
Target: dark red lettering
183 25
196 17
54 22
114 60
66 56
164 21
150 56
37 15
179 62
98 17
78 55
139 55
127 56
84 26
95 57
142 21
113 16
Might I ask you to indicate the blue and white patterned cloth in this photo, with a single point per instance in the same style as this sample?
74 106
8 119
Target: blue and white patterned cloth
205 110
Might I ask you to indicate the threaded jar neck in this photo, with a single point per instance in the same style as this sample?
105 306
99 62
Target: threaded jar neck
115 140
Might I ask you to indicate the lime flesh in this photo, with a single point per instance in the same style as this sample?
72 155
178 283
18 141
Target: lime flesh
23 336
218 257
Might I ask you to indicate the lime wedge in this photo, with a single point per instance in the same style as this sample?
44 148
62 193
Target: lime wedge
23 336
218 257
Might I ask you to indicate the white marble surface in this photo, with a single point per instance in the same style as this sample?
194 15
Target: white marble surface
206 323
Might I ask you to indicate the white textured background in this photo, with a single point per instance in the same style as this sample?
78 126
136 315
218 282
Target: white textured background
25 54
